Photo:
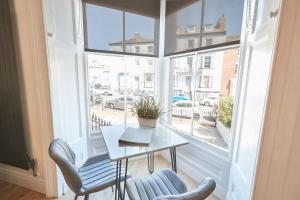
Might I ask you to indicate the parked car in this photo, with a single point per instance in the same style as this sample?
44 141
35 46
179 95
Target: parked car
179 98
184 109
141 93
95 99
119 103
106 92
209 101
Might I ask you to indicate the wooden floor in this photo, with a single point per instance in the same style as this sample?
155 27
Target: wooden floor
136 168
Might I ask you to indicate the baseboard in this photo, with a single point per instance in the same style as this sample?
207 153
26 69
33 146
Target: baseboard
21 178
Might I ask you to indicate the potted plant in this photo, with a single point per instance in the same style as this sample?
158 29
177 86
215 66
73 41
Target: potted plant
148 111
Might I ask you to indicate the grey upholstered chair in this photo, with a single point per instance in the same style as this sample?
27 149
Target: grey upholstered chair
166 185
96 174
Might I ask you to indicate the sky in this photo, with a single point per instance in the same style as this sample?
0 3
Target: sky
105 25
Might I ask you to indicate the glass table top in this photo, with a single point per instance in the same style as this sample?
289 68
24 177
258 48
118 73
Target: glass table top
162 138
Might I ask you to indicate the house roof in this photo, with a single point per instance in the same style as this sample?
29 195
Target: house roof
136 39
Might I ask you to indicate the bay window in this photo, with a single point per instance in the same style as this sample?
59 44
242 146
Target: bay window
201 42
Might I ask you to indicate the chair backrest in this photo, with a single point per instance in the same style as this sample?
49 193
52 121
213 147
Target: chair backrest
64 157
206 187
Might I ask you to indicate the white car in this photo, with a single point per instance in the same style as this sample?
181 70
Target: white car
209 101
119 103
106 92
184 109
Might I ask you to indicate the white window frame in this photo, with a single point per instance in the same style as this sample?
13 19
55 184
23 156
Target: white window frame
223 153
155 78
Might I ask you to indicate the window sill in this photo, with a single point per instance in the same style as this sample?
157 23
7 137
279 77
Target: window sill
201 145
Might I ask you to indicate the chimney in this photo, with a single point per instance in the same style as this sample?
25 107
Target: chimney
136 35
221 24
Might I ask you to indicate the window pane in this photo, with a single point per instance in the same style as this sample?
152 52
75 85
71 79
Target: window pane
214 85
182 109
107 85
140 82
183 22
99 32
200 23
139 34
222 21
104 28
202 101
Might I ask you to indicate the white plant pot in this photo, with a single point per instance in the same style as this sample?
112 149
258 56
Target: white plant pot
151 123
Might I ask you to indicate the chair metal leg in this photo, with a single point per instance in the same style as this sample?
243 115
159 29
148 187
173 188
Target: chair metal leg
86 197
76 197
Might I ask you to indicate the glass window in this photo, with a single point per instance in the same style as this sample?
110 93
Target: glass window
189 62
202 102
99 34
116 82
181 95
150 62
183 22
137 49
205 82
105 31
150 49
208 41
199 23
191 43
207 62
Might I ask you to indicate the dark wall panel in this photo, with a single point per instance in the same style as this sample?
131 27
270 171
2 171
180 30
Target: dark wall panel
12 138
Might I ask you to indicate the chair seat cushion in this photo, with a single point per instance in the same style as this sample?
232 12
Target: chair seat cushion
98 173
164 182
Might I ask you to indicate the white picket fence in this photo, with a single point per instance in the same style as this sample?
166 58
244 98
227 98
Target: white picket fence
204 117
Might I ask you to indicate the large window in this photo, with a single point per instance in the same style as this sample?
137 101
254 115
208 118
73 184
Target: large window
115 84
196 24
121 26
202 98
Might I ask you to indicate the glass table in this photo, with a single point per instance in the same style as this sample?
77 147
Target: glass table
162 138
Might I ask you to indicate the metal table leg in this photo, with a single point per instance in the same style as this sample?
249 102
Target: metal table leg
119 194
173 158
150 157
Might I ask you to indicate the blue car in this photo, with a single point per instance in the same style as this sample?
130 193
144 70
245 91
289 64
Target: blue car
179 98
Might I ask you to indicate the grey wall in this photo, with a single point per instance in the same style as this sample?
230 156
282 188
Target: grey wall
12 139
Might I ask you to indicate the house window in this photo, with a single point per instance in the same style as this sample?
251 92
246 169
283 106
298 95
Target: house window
137 62
137 49
207 62
150 62
149 82
205 82
189 62
150 49
188 80
191 43
148 77
208 41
